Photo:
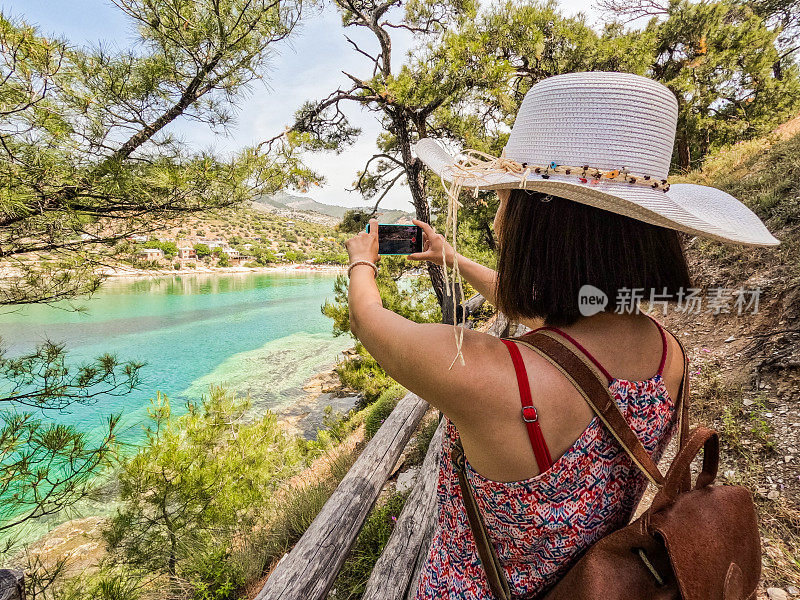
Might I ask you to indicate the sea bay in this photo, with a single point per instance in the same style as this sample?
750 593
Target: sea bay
258 334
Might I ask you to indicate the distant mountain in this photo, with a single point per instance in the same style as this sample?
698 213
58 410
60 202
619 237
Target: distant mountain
284 201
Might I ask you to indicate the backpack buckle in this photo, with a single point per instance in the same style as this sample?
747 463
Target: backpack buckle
526 416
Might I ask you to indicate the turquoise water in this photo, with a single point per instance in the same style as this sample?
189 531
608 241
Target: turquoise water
257 334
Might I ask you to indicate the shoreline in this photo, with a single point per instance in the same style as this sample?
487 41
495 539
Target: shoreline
122 273
323 388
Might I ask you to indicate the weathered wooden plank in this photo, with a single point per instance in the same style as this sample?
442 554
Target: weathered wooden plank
12 584
392 577
309 570
500 326
472 304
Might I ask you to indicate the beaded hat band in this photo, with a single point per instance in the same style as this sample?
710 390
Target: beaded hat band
476 162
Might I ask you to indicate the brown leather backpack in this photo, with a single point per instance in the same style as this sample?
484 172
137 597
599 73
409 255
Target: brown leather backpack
694 543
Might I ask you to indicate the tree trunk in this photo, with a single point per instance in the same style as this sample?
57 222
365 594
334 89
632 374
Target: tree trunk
489 237
416 183
447 307
683 150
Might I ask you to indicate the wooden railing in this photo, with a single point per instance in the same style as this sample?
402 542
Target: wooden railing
309 570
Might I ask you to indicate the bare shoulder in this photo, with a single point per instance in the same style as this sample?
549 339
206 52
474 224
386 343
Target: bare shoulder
426 366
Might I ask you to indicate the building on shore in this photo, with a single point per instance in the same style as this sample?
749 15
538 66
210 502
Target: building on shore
186 253
150 254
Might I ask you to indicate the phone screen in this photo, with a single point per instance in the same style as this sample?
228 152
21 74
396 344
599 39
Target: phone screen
399 239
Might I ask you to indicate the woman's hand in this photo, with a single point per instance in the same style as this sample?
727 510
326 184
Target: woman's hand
363 245
432 244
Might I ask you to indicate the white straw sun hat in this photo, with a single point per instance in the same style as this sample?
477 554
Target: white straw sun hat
621 127
600 138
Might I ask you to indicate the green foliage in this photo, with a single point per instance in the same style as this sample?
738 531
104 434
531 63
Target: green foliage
87 161
353 221
331 258
107 584
47 467
170 249
335 428
294 256
215 577
264 256
198 481
378 412
409 297
722 61
223 260
202 250
364 374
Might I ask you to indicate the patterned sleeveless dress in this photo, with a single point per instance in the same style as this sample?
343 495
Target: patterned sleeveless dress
541 526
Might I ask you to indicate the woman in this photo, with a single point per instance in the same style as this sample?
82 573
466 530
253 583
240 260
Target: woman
584 200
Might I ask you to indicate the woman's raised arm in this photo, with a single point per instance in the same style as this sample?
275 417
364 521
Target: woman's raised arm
480 277
418 355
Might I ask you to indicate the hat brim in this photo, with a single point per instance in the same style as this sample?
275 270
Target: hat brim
695 209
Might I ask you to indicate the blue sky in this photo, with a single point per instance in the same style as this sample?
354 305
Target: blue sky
308 66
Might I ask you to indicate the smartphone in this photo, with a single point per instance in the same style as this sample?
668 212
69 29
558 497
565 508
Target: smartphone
398 239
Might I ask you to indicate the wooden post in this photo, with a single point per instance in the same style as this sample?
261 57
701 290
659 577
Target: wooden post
394 576
12 584
309 570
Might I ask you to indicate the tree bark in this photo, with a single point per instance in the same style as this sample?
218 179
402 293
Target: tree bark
416 183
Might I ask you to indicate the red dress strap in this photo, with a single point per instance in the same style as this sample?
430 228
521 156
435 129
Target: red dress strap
579 346
596 362
529 414
663 344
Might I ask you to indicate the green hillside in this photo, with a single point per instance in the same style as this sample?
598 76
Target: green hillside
284 200
260 239
746 368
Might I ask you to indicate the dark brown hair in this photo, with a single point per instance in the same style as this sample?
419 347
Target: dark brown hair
550 247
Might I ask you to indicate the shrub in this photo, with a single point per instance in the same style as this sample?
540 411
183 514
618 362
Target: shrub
217 472
202 250
382 408
214 576
106 584
363 373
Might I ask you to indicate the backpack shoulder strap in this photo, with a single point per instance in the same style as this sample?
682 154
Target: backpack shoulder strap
683 398
586 379
593 387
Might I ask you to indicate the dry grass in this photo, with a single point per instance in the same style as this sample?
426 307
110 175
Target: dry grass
748 446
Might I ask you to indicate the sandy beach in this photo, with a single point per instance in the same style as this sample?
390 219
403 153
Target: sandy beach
122 271
113 272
